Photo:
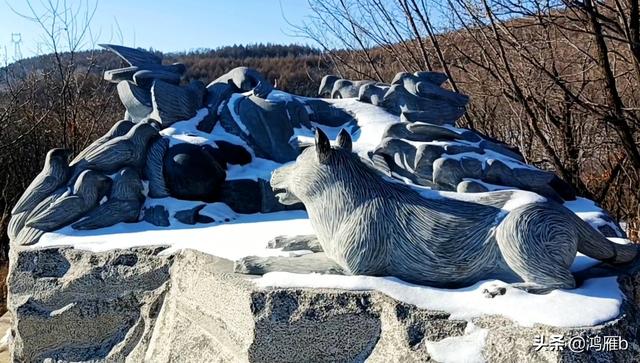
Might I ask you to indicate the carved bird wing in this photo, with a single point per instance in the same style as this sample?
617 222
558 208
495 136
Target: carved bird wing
46 203
88 150
111 212
62 211
111 152
135 57
39 189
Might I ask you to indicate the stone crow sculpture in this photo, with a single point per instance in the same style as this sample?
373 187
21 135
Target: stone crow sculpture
123 204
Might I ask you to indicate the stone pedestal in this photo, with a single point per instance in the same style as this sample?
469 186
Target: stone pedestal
139 305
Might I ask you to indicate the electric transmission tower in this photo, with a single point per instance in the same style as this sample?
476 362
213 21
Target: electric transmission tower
16 39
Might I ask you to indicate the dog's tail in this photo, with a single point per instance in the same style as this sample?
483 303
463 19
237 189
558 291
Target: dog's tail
595 245
617 259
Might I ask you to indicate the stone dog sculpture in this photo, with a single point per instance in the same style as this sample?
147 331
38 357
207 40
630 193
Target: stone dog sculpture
371 226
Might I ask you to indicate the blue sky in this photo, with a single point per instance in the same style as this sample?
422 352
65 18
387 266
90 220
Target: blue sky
169 25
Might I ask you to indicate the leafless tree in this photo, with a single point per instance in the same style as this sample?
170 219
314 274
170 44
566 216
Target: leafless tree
557 78
56 99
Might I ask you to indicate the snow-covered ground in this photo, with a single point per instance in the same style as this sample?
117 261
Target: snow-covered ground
234 236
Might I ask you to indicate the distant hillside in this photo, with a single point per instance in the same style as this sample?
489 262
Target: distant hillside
296 68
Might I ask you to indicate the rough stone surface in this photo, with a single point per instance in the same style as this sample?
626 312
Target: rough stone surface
70 305
134 305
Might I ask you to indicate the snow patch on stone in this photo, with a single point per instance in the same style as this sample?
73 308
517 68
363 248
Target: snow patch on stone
461 349
597 301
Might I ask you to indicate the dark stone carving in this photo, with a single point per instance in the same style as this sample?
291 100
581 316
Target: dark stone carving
217 95
127 150
145 77
242 195
172 103
120 128
207 123
191 173
448 173
228 153
372 93
154 167
193 216
533 244
120 74
54 174
398 99
325 113
424 163
87 192
336 87
156 215
135 57
471 186
265 126
136 100
251 196
245 79
123 204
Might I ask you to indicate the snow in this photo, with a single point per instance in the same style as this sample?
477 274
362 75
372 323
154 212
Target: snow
186 131
244 235
461 349
597 301
231 105
372 122
590 212
258 168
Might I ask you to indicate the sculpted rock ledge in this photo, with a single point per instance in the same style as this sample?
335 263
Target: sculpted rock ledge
140 305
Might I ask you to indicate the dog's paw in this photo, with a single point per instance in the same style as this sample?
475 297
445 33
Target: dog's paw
250 265
493 291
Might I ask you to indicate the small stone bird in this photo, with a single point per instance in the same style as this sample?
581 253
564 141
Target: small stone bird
120 128
54 174
86 194
22 235
123 205
126 150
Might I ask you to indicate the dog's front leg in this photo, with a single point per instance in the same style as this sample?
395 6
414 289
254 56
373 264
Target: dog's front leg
309 263
295 243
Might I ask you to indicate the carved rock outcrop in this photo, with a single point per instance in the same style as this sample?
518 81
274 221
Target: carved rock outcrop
139 305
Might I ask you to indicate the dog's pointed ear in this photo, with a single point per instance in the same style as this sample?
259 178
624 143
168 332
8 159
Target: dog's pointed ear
344 140
323 146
